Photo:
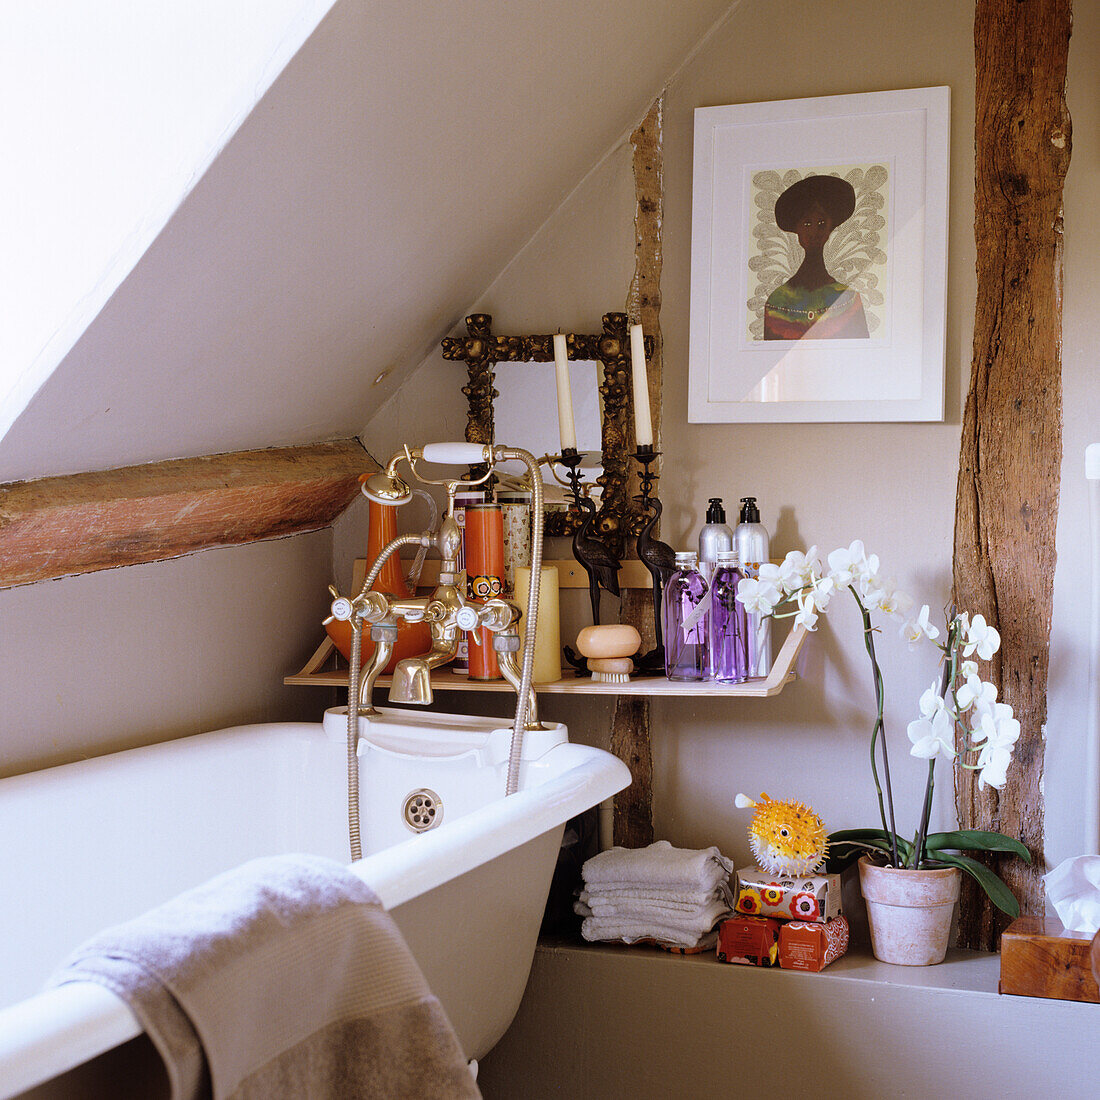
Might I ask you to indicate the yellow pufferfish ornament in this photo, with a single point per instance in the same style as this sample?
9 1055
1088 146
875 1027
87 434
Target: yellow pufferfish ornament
787 838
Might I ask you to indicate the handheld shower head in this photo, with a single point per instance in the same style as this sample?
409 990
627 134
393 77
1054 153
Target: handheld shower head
385 488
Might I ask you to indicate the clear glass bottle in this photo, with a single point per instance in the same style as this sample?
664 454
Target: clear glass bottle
684 618
728 641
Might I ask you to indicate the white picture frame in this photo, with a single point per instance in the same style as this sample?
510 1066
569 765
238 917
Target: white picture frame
851 329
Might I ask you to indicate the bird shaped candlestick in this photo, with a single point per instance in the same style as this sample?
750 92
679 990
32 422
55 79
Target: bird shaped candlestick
592 553
659 558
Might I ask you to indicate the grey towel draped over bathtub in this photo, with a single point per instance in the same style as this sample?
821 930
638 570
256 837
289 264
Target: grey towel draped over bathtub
282 978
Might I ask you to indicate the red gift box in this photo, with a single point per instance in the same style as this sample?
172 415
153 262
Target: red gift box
750 940
806 946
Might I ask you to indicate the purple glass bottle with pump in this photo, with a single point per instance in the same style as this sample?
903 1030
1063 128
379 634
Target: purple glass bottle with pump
684 611
727 649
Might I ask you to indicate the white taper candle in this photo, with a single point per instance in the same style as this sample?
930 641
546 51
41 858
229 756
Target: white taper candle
566 428
643 424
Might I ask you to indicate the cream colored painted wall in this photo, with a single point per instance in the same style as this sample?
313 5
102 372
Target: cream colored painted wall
892 485
132 656
817 484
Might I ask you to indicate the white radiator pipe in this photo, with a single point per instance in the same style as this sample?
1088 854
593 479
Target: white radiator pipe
1092 750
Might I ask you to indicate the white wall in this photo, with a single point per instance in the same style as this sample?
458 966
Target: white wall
401 158
829 483
816 484
115 110
146 653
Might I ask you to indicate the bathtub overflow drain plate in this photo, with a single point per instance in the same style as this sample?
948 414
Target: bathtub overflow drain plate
423 810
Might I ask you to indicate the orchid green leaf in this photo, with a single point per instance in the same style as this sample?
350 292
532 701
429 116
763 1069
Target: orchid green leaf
998 892
847 845
976 840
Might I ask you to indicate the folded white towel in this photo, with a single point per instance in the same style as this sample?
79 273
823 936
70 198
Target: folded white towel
659 911
701 918
597 928
687 898
658 865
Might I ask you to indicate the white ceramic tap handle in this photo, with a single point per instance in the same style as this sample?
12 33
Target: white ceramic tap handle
342 609
467 618
457 454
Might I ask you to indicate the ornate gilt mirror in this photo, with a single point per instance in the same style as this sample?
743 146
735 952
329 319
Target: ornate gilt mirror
481 351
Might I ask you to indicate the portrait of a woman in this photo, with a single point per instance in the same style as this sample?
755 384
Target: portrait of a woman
811 304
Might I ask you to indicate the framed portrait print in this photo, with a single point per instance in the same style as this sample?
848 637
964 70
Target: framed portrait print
819 259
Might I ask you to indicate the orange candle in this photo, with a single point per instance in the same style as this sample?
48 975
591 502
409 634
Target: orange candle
484 580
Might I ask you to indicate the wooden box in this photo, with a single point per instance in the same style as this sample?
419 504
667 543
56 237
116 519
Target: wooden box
1039 958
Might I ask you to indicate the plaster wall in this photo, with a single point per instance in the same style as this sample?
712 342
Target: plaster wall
398 161
892 485
126 657
121 108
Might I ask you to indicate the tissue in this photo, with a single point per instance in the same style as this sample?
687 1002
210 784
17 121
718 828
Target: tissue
1073 888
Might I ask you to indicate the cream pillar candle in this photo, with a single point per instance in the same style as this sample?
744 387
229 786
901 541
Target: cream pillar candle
566 428
547 668
643 422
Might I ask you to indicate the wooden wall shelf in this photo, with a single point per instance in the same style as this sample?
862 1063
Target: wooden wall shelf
327 669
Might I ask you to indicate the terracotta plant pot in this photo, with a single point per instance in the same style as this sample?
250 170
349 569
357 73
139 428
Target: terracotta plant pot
909 912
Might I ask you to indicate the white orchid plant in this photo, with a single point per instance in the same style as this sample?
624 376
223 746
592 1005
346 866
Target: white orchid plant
960 720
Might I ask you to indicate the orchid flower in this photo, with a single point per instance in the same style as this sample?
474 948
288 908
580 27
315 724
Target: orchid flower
799 569
996 726
759 597
978 693
807 611
931 702
822 592
769 573
1000 732
981 638
847 566
896 602
993 768
885 596
915 629
933 737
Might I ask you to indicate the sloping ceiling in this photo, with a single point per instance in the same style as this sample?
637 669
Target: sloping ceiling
115 110
403 157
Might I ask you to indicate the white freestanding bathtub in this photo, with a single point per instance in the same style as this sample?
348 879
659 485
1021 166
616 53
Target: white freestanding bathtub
87 845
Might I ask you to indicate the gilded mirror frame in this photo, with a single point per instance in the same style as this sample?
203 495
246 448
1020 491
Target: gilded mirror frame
481 350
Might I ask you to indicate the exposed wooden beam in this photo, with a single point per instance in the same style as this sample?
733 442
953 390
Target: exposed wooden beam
630 735
58 526
1010 459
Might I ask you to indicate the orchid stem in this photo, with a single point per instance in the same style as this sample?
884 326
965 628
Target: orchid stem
922 832
880 729
946 682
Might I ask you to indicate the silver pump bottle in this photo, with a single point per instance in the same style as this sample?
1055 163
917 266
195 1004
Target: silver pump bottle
750 540
714 537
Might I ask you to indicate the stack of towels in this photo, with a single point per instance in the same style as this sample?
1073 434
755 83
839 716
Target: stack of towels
673 896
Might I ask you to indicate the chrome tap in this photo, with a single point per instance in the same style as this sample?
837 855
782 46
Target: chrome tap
446 609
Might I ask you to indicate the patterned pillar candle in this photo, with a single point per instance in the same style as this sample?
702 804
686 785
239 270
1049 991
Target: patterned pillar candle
516 511
484 580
